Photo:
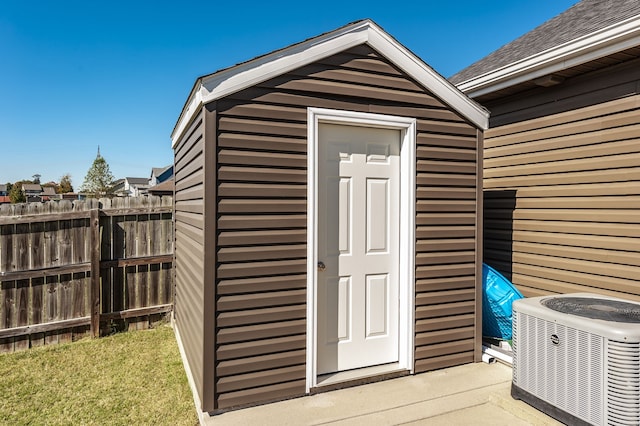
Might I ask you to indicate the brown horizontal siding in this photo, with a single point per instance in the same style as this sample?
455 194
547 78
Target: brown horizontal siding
440 323
444 361
263 394
266 268
230 238
252 253
248 141
266 284
269 376
262 300
562 200
262 177
266 362
575 93
189 246
252 315
445 245
262 222
271 346
261 309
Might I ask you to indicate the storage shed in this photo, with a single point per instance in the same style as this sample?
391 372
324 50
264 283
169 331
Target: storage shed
562 155
328 221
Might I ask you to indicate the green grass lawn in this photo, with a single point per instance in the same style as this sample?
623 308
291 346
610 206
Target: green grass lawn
126 379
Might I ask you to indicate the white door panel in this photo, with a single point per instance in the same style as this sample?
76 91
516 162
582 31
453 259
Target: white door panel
358 242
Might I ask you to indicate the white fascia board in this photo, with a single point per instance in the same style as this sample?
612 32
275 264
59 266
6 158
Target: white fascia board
615 38
417 69
261 69
194 102
278 63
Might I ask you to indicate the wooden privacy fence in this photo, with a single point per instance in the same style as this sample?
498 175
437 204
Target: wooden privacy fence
68 270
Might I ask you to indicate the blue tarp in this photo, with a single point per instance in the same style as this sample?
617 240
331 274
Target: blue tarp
498 293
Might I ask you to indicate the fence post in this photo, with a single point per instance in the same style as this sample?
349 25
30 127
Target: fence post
95 272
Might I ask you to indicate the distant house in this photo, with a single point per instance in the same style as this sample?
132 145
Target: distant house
164 188
561 157
32 192
4 199
48 193
31 189
3 190
48 190
160 174
70 196
131 187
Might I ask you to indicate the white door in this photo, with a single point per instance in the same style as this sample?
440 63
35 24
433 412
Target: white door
358 246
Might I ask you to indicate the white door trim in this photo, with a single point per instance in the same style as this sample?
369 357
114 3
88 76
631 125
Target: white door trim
407 128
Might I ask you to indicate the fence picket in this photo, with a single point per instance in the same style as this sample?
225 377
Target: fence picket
37 309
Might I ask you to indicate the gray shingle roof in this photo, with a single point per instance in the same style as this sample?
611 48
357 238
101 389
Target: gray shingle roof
32 187
137 181
579 20
48 190
159 170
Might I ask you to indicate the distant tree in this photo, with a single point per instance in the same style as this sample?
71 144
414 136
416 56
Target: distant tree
36 178
16 195
65 184
99 181
9 186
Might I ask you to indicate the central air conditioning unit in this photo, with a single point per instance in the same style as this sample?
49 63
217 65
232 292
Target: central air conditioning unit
576 357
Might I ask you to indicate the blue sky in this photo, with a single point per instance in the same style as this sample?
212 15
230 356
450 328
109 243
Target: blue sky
75 75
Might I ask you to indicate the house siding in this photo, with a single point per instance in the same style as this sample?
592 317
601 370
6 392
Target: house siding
577 91
562 201
190 247
261 224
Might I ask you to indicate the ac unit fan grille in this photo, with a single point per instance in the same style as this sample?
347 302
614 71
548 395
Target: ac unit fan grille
623 383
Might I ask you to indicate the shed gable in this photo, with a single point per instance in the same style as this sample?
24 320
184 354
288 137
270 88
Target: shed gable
251 73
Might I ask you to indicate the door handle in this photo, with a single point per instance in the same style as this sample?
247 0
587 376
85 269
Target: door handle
321 266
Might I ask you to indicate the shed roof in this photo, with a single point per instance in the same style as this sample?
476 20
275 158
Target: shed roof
588 30
230 80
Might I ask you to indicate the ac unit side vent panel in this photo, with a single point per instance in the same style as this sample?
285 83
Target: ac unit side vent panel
623 383
567 374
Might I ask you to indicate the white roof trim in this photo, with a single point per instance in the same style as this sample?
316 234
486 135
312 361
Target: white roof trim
615 38
234 79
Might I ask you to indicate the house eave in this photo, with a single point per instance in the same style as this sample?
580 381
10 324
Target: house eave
234 79
609 40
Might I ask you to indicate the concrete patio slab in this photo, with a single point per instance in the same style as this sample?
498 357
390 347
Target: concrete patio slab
472 394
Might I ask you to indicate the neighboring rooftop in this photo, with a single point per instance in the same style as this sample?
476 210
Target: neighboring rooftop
164 188
157 171
582 19
48 190
31 187
137 181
